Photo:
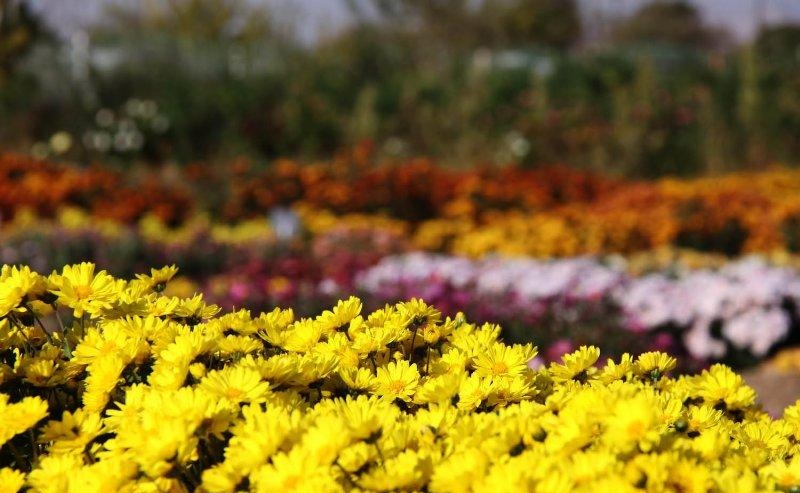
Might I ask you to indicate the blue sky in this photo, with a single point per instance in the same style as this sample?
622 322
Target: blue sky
318 18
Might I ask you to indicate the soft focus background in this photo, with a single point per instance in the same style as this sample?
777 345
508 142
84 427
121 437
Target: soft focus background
629 87
621 173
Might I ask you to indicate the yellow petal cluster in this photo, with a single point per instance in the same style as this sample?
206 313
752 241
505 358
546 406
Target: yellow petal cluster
121 388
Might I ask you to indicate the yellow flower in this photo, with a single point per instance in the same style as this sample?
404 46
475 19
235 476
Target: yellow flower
654 365
221 478
302 336
161 429
687 476
700 418
19 285
504 361
158 278
11 481
719 384
290 472
472 391
239 321
237 384
507 390
39 372
346 410
339 345
785 475
763 438
341 315
72 433
112 340
255 439
194 310
440 388
52 474
235 344
361 379
365 416
323 447
79 288
576 366
271 327
417 317
791 415
19 416
372 340
104 376
474 340
459 472
397 381
634 422
409 470
109 474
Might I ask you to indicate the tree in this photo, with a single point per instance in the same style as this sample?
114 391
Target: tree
676 23
553 23
469 24
19 30
779 44
198 20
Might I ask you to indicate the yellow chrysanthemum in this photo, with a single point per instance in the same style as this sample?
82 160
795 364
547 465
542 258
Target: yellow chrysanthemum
397 381
158 278
654 365
19 416
79 288
346 402
19 285
11 481
237 384
500 360
577 365
72 433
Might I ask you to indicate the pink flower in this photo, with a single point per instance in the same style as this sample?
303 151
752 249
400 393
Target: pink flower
239 291
559 349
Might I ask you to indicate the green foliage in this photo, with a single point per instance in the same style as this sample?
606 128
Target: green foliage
463 81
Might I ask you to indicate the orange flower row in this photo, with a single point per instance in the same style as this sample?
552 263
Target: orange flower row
542 212
734 214
44 187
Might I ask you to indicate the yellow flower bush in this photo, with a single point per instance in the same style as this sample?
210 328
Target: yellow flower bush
111 385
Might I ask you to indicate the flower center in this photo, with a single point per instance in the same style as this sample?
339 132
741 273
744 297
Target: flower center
499 368
397 386
636 429
787 479
233 393
83 292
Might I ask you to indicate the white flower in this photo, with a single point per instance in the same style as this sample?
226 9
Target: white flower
699 342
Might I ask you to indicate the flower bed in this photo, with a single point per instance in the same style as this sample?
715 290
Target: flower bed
736 312
109 385
740 311
541 212
44 187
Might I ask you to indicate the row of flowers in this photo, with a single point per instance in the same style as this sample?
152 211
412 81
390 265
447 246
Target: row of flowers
738 312
414 190
745 308
45 187
323 249
111 385
540 212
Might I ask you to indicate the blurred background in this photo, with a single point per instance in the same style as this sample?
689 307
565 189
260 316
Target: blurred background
632 88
